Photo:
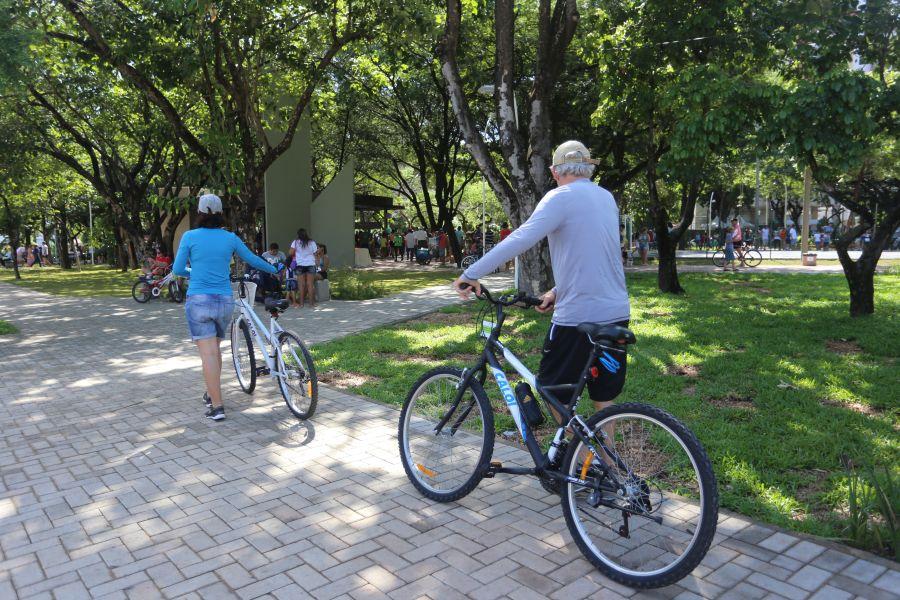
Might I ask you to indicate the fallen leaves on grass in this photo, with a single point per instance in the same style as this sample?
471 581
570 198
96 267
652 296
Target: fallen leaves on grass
659 314
689 390
809 493
344 379
683 370
404 358
863 409
732 400
442 318
843 346
784 385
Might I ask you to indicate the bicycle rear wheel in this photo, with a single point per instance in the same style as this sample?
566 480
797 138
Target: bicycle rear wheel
648 514
718 258
445 446
140 291
752 258
242 355
298 385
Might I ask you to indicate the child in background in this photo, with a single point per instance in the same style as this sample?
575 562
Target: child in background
729 250
291 284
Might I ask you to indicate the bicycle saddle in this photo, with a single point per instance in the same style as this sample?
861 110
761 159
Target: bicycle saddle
608 333
276 304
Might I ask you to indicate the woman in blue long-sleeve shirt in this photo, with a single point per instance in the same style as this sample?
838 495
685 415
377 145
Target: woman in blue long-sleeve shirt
209 306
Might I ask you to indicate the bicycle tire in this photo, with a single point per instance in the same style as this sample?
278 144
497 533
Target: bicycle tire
703 535
240 334
142 296
310 385
487 445
468 261
718 258
752 258
176 294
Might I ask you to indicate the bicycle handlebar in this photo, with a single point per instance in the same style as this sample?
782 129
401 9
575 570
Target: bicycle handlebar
507 299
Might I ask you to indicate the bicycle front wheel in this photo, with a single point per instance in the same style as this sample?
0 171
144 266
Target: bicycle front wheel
648 513
176 294
446 445
718 258
752 258
140 291
297 379
242 355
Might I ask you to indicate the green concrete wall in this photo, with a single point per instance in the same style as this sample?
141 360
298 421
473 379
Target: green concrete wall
288 189
332 218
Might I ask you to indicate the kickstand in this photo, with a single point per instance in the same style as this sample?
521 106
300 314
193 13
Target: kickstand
623 529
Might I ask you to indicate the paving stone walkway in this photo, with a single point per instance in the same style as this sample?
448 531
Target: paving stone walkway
112 485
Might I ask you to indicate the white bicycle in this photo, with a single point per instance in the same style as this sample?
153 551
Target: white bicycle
286 358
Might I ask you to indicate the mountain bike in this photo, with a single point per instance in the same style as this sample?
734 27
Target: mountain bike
637 489
148 286
285 357
747 257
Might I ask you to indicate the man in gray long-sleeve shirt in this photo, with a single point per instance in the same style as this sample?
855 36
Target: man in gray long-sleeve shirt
581 222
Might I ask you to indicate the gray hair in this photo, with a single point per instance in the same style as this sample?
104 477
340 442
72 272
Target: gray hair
576 169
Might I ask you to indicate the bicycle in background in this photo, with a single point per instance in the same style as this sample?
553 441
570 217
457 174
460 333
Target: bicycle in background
285 357
149 286
637 488
746 256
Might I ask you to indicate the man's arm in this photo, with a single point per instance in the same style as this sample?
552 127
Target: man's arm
545 218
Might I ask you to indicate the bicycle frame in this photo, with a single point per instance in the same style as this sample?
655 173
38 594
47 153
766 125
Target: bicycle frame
568 416
256 326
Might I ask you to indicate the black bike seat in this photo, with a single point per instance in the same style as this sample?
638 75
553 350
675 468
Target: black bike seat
609 333
279 304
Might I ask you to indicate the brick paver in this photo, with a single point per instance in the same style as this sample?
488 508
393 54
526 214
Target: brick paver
112 483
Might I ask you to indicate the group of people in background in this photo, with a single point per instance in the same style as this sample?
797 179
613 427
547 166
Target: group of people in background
30 255
401 245
305 263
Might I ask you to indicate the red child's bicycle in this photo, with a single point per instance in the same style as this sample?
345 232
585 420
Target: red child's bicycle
149 286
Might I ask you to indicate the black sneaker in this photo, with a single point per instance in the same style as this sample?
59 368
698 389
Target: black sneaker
207 400
216 414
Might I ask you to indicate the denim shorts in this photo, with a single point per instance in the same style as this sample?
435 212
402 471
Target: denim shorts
306 269
208 315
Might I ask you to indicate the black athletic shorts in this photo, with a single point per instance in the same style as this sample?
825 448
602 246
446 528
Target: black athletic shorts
565 352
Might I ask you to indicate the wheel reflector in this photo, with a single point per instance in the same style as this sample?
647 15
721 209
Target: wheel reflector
426 470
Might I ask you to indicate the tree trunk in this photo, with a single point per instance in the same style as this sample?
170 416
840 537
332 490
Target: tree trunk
862 289
535 275
12 227
860 273
121 252
667 272
62 237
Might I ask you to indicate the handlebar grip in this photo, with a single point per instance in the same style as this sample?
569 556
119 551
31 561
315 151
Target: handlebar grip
530 300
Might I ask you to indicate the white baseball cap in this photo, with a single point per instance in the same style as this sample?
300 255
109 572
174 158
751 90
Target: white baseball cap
209 203
572 152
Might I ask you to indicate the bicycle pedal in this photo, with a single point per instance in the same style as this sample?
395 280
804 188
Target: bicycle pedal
262 370
493 468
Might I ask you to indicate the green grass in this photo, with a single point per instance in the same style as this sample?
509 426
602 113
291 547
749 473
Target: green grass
362 284
760 338
98 280
7 329
103 281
